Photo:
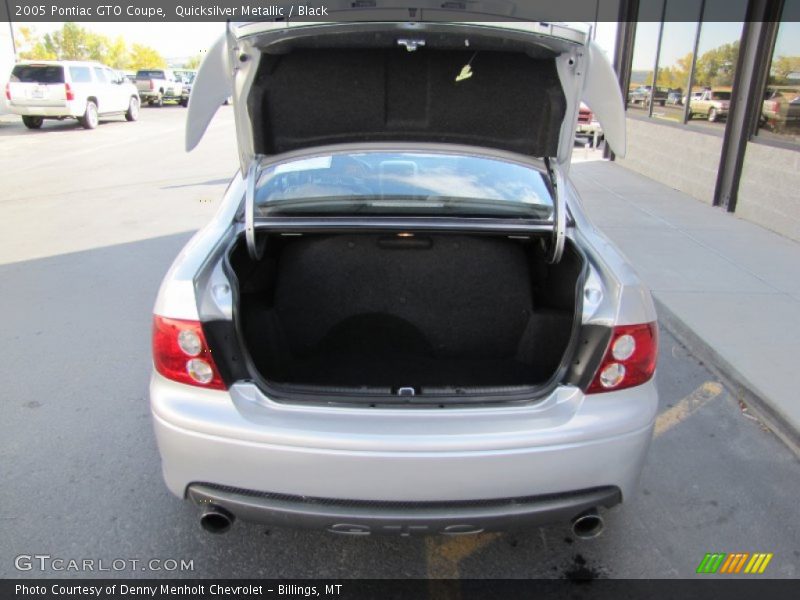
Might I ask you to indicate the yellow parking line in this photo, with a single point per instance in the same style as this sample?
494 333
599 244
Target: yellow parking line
684 408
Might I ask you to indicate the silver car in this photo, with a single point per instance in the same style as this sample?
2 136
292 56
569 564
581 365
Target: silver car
401 320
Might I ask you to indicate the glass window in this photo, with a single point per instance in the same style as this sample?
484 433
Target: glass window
645 47
99 75
80 74
144 74
675 58
404 183
696 61
715 70
780 112
38 74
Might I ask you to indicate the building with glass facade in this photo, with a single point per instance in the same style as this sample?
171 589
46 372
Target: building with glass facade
713 102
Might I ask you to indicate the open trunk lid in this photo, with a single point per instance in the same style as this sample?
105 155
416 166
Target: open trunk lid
509 86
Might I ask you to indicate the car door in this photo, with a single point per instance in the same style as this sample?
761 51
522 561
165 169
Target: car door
105 98
702 104
117 91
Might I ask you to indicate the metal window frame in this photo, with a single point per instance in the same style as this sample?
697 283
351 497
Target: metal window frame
759 32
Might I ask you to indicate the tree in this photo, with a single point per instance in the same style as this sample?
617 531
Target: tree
30 46
117 55
782 68
717 66
193 62
73 42
676 76
145 57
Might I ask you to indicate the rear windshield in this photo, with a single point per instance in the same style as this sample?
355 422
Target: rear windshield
720 95
150 75
38 74
404 184
186 76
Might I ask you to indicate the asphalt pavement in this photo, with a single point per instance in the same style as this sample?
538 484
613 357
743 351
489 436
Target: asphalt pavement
89 223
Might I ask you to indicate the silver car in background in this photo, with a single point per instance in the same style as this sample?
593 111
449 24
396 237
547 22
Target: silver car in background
401 319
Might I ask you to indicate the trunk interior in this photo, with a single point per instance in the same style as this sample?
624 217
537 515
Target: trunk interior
374 313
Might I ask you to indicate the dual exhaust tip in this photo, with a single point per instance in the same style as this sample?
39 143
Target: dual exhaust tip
217 520
588 525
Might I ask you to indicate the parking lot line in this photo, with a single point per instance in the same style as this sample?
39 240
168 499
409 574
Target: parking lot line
688 405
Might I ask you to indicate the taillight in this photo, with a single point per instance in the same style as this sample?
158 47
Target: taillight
68 91
180 353
630 359
774 105
8 91
152 85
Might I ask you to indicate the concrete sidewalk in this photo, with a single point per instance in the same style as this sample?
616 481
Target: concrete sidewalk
727 288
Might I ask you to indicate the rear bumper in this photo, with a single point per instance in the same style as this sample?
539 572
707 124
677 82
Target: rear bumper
364 518
544 453
69 109
588 129
153 94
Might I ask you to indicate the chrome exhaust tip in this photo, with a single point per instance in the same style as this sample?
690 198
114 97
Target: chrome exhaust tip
216 519
588 525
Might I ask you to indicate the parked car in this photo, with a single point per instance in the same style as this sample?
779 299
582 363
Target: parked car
644 95
674 98
186 77
401 319
694 96
157 86
39 90
588 127
711 104
781 109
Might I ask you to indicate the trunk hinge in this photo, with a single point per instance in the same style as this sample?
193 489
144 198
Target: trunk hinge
255 249
559 212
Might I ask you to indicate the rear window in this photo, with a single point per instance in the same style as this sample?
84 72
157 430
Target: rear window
404 184
150 75
80 74
720 95
38 74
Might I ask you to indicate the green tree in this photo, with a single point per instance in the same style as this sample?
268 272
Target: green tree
145 57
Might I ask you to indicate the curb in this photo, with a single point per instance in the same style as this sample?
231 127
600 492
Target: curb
737 383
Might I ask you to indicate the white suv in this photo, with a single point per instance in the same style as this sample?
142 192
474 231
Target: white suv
41 90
